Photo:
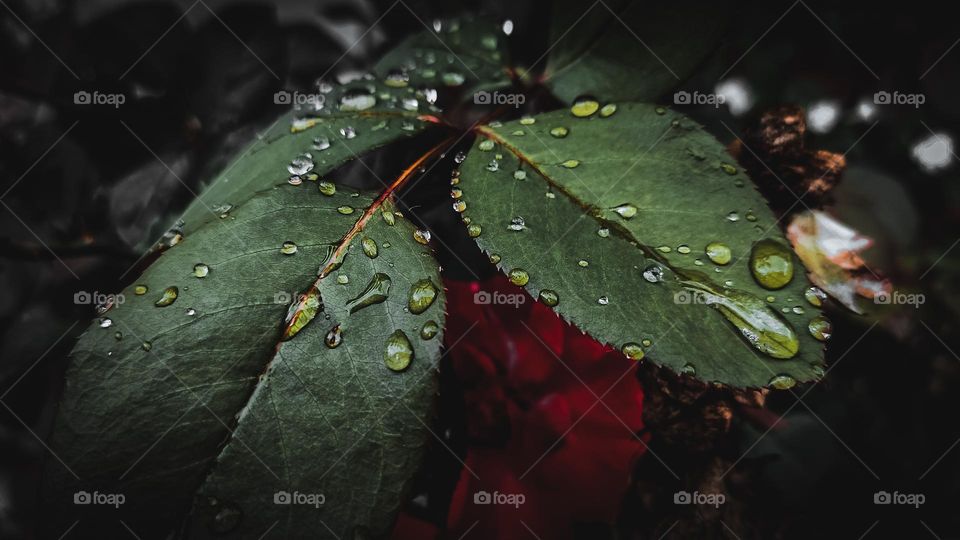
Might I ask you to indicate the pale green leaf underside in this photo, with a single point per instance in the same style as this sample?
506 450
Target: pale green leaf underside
670 169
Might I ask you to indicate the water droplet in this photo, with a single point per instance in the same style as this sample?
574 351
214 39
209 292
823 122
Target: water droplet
718 253
494 258
771 298
626 211
388 217
762 327
118 336
603 232
168 297
815 296
301 312
683 249
288 248
295 180
321 143
422 236
456 193
106 322
191 312
771 264
733 217
348 132
327 188
200 270
334 338
689 370
750 216
633 351
146 345
797 310
474 230
345 210
410 104
357 100
646 342
369 247
518 276
653 274
300 165
603 300
376 292
453 78
458 159
661 111
782 382
429 330
729 169
396 78
582 263
820 328
343 279
140 290
608 110
520 174
517 224
549 298
399 351
459 206
559 132
550 195
584 107
493 166
528 120
422 295
664 249
571 164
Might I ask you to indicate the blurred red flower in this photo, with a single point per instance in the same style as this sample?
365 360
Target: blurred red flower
552 418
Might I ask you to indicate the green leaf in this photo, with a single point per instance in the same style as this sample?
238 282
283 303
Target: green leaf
631 50
181 397
586 206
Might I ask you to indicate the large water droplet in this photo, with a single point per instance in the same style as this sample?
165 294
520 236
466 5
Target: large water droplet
820 328
518 276
762 327
327 188
584 107
334 337
399 351
357 100
201 270
549 298
168 297
301 313
626 211
376 292
369 247
653 274
633 351
288 248
771 264
815 296
300 165
718 253
422 295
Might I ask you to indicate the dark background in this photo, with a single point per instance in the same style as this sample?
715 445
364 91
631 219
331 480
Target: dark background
85 190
